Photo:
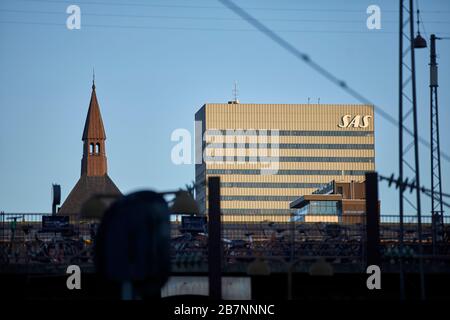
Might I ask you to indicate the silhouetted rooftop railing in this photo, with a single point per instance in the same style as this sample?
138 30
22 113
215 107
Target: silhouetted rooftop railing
274 236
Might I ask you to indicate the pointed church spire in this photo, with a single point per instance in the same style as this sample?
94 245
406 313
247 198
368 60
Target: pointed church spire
93 128
94 178
93 79
93 162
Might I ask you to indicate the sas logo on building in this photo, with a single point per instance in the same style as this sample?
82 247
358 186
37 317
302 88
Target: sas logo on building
358 121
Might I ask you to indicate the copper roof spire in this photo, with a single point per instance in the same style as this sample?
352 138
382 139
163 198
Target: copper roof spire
94 178
93 128
94 136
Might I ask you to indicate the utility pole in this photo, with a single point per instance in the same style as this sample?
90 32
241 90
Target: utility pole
437 210
409 148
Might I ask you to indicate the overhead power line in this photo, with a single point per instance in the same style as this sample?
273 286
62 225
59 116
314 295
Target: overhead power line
201 18
190 6
183 28
321 70
411 185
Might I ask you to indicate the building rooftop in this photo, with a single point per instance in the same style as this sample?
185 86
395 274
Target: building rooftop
332 191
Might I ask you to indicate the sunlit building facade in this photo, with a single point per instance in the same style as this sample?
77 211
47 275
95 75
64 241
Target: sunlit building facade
268 155
339 202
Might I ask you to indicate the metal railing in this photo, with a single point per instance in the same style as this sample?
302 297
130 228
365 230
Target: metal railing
244 237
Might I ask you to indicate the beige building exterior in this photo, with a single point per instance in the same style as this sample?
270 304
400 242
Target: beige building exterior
268 155
340 202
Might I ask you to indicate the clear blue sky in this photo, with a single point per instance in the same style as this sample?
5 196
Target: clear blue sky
157 63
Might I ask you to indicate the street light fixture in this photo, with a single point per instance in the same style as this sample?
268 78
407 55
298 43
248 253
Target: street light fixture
419 42
437 209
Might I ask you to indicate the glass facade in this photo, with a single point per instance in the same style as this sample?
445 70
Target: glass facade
258 198
321 208
319 211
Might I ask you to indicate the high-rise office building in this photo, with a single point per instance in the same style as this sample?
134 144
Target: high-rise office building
267 155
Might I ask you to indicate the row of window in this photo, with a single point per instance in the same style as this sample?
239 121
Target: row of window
289 133
256 211
352 146
288 159
288 172
269 185
321 208
258 198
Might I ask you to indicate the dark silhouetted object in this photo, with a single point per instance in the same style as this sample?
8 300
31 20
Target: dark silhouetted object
184 203
56 224
132 244
373 219
437 209
419 42
193 224
56 197
214 239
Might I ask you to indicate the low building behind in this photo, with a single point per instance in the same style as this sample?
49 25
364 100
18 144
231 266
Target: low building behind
340 202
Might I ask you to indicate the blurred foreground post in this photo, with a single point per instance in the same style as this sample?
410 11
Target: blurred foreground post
214 239
372 220
132 246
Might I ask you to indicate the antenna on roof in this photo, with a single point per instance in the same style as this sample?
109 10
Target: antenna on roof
235 91
318 101
309 99
235 94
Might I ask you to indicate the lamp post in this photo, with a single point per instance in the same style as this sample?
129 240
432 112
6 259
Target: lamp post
418 43
408 150
437 211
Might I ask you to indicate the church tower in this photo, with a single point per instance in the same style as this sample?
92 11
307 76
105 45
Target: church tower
94 179
93 162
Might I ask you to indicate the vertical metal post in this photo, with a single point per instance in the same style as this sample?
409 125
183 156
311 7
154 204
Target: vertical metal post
433 84
437 209
372 220
214 239
400 148
409 115
416 150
